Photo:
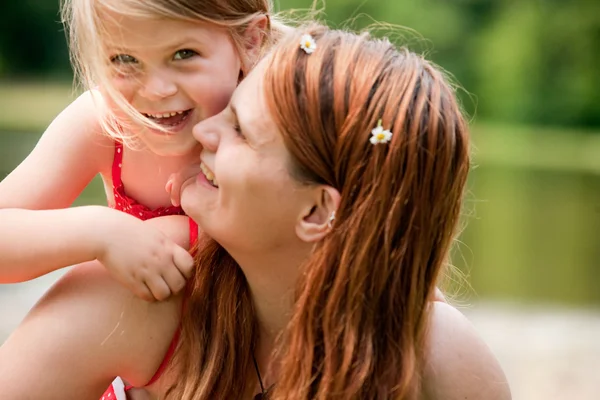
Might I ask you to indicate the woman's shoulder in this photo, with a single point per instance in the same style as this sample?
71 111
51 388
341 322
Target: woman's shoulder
459 365
132 333
86 326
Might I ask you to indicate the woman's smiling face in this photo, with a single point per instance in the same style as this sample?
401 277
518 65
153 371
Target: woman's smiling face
245 196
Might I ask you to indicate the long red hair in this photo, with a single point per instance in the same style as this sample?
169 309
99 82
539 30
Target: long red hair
359 321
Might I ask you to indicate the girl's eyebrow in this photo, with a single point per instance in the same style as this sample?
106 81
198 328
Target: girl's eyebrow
186 41
179 43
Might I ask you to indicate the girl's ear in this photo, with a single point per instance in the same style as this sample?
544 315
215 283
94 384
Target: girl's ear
254 37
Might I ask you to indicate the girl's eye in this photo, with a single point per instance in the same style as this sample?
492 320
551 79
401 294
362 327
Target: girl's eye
123 59
124 65
184 54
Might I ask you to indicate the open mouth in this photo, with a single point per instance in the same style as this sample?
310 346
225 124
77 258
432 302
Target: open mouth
169 119
210 176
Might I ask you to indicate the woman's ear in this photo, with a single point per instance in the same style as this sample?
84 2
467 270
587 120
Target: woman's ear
319 219
254 37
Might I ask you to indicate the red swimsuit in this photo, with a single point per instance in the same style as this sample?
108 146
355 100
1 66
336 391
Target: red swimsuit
117 389
129 205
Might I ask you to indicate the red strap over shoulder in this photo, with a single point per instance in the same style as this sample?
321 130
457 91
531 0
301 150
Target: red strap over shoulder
161 368
193 234
117 164
165 361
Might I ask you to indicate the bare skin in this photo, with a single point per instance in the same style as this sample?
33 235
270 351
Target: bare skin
269 239
161 68
72 151
128 337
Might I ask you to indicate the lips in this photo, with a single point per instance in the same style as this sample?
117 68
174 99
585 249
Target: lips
210 176
169 119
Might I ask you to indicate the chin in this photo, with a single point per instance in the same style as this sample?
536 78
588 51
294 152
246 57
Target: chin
191 200
179 145
173 149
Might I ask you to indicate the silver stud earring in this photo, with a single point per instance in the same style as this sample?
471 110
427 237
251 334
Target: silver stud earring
331 219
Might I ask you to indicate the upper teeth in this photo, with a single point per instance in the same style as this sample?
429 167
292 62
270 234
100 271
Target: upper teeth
208 173
165 115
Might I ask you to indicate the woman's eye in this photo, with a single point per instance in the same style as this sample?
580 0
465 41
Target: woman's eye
184 54
123 59
238 130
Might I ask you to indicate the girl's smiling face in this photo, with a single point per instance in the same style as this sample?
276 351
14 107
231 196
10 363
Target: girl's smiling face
174 73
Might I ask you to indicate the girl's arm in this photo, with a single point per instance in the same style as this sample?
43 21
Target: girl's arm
66 158
87 330
35 243
142 258
68 155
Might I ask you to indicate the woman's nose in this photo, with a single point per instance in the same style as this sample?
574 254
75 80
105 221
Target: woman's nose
206 133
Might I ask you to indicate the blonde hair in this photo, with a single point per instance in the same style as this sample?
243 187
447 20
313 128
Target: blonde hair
85 24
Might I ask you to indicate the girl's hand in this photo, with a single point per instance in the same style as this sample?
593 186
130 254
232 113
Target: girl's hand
141 257
178 180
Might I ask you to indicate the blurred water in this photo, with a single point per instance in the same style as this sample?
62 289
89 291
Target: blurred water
532 236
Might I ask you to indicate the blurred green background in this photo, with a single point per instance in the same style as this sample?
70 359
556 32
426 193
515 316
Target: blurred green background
530 73
529 70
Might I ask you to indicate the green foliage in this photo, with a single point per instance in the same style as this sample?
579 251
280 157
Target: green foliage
526 61
32 42
523 61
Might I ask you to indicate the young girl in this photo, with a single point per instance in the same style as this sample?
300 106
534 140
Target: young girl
154 69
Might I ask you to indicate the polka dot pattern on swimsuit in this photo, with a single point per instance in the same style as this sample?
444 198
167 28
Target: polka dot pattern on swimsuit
130 205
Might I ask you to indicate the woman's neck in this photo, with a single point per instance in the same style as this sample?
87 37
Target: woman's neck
272 278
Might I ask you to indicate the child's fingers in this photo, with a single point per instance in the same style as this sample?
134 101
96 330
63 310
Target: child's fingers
158 287
143 292
175 197
169 185
184 262
174 279
176 182
173 187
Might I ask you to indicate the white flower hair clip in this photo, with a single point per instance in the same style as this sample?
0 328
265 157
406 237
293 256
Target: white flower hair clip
308 43
380 135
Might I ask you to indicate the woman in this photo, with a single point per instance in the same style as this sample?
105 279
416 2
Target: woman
331 187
